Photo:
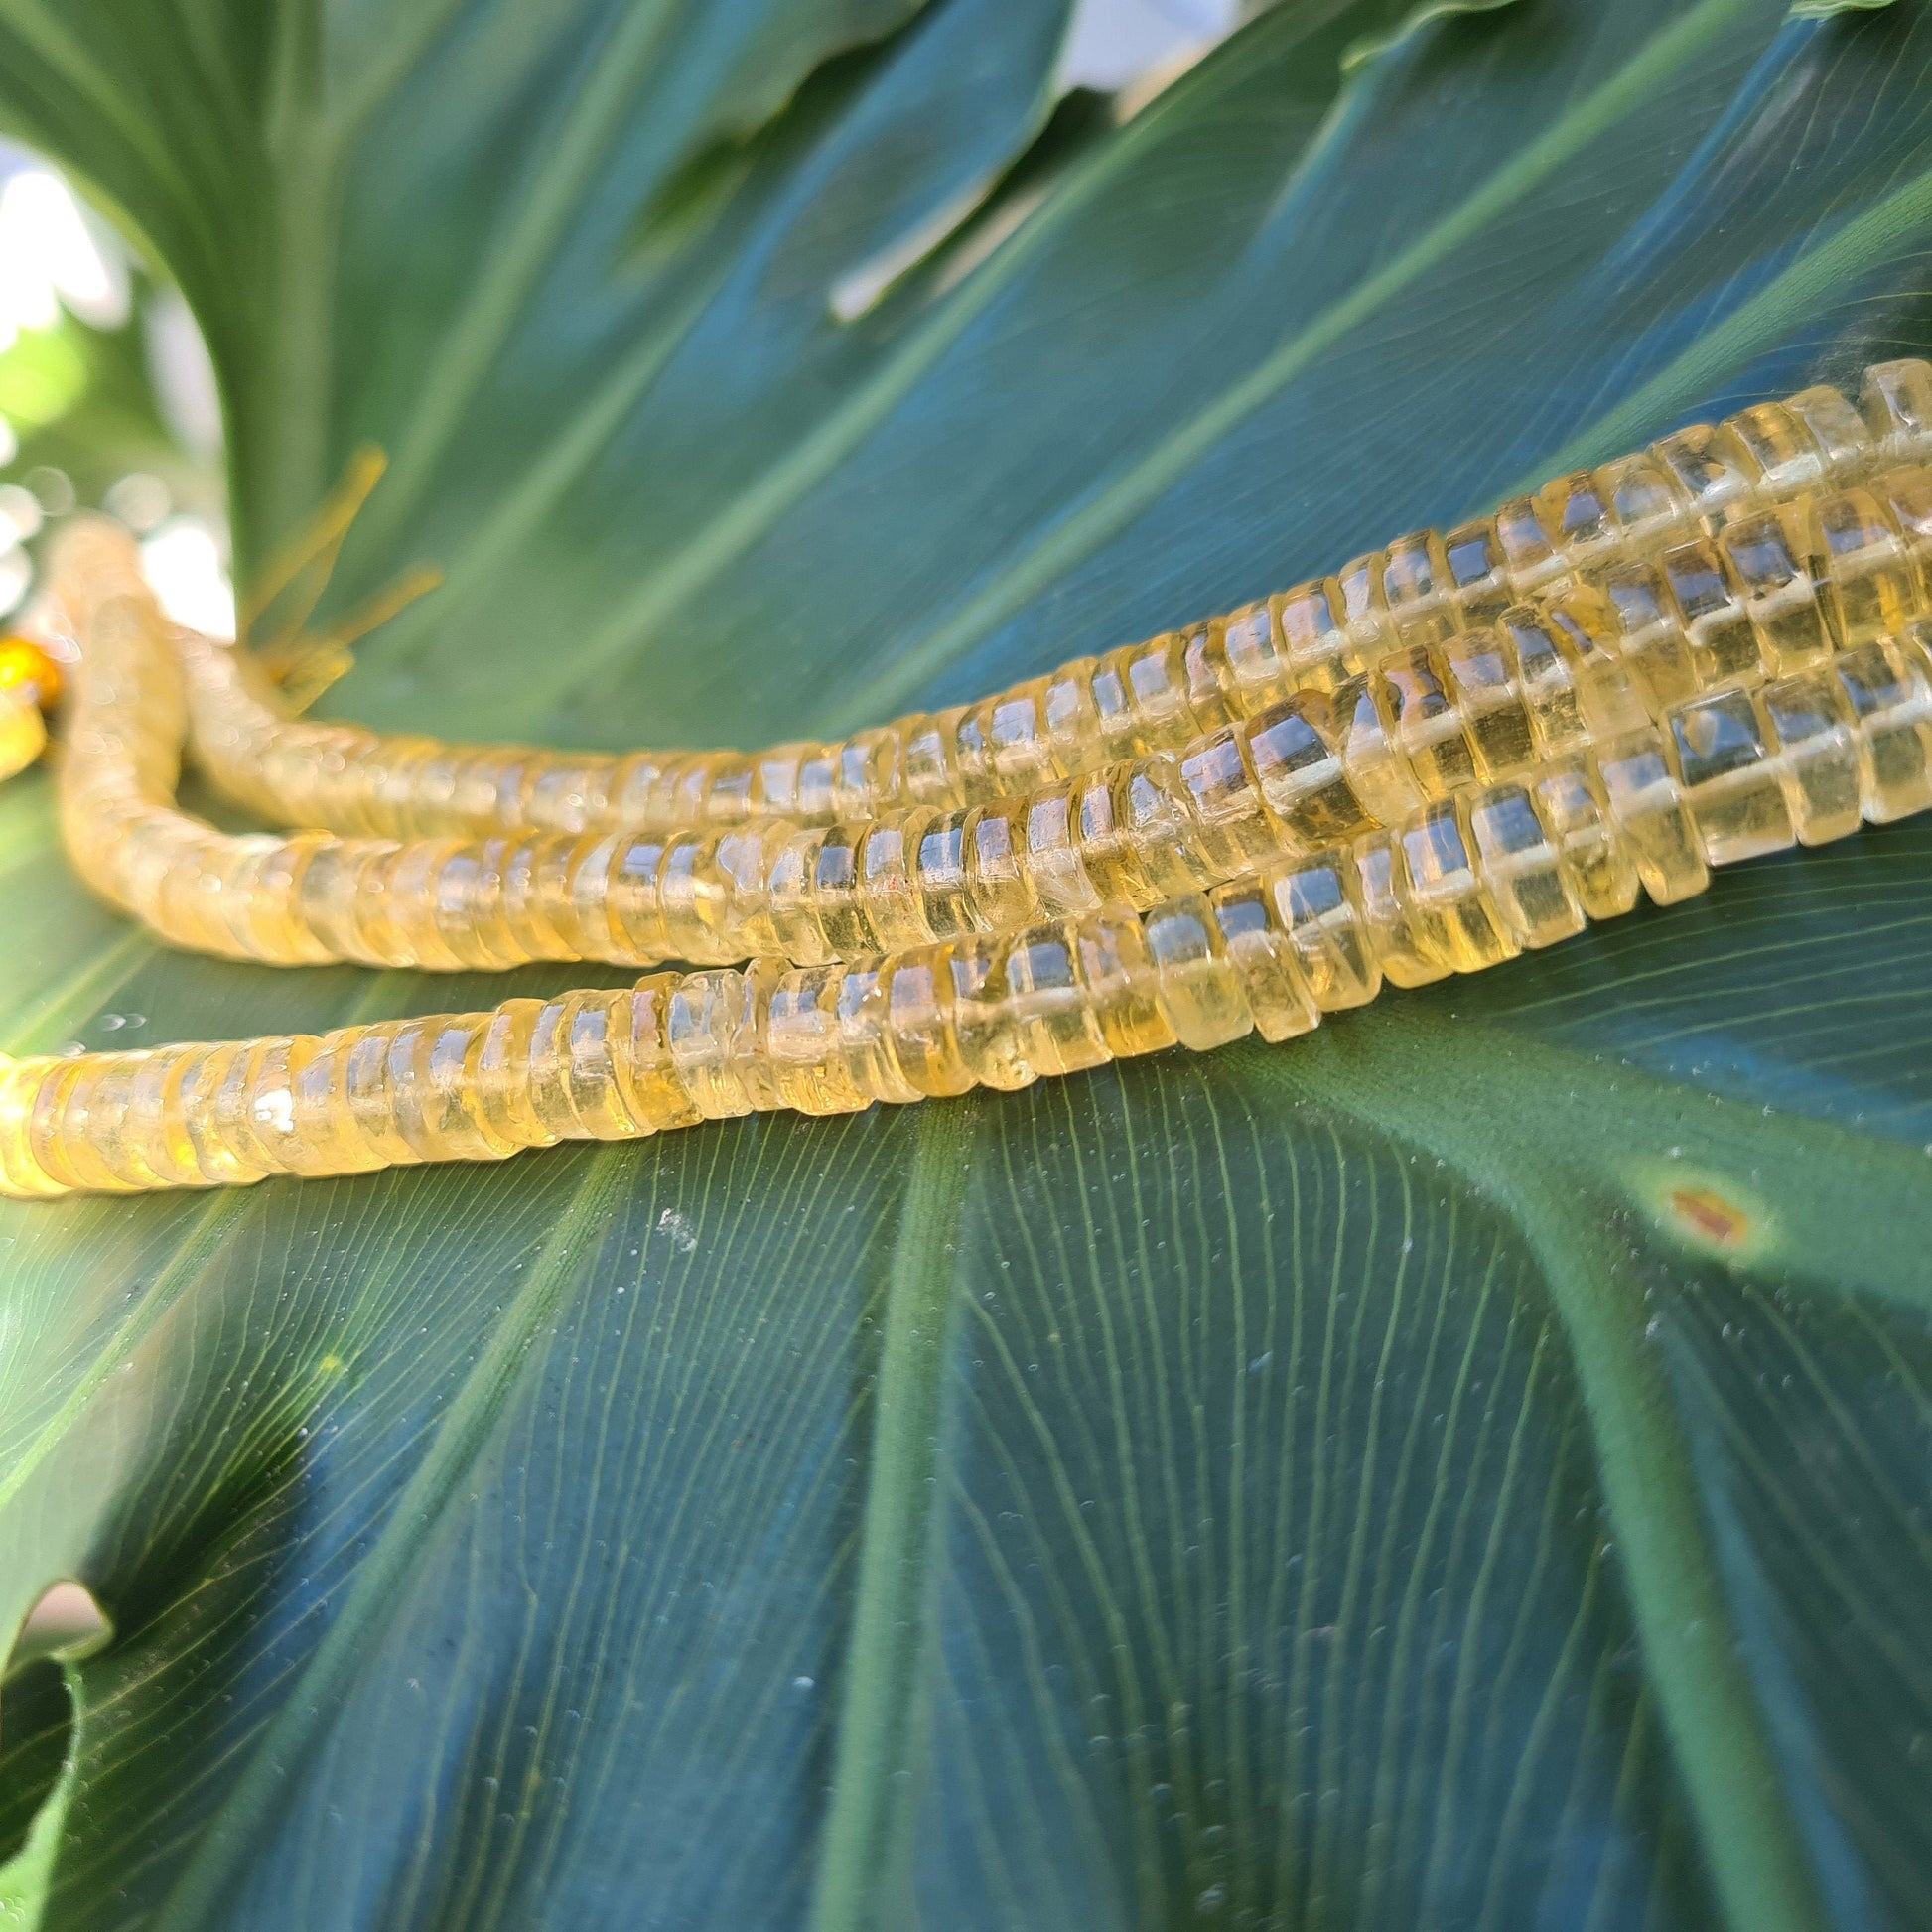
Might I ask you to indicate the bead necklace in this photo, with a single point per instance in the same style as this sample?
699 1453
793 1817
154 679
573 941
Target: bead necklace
1717 651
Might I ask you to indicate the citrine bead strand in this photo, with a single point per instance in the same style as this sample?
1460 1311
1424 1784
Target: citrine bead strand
1462 885
1712 528
1427 725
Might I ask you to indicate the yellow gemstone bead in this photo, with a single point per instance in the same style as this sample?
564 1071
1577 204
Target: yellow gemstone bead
1647 807
1262 952
1200 992
1522 867
1719 751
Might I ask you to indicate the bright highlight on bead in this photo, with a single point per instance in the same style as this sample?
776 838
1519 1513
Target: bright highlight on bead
1450 751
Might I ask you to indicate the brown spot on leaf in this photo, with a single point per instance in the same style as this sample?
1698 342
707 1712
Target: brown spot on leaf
1703 1208
1706 1213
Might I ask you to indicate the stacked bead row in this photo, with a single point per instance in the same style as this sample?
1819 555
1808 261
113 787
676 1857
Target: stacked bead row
1752 536
1464 885
1431 723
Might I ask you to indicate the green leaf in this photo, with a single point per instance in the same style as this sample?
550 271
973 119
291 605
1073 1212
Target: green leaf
1464 1469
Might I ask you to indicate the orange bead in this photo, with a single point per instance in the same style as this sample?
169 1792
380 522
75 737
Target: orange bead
24 662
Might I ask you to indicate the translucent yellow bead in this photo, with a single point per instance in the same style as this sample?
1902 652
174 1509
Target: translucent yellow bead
999 878
1842 438
1647 808
711 1031
1255 654
22 1177
1297 758
272 1125
156 1120
1872 589
1379 773
1577 520
369 1086
1315 638
1713 469
1722 643
1905 498
1887 689
573 1088
1236 829
219 1098
1522 867
1597 859
1121 983
438 1106
1054 1027
1427 725
1410 946
1320 906
1551 683
1264 957
1072 720
47 1151
1767 555
1200 992
1730 784
1156 832
888 891
809 1067
992 1041
1360 594
865 1040
331 1141
1819 754
1645 502
88 1128
1483 676
1419 592
1531 563
1895 400
1055 857
1476 568
939 873
924 1041
1651 645
639 1035
499 1069
1445 893
1212 697
1787 454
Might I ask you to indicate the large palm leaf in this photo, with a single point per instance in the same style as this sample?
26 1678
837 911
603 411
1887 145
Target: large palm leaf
1466 1470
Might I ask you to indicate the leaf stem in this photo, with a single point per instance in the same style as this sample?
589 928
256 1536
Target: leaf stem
865 1858
1664 1542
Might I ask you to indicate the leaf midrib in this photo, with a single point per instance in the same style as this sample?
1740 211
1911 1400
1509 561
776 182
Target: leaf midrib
1756 325
1110 509
711 549
313 1694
